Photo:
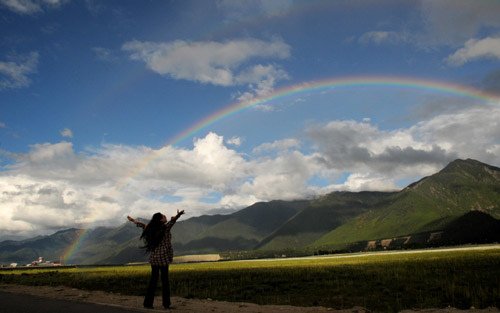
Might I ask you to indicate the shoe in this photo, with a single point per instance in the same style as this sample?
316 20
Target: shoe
148 307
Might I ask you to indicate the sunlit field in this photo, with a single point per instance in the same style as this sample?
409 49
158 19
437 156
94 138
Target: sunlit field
460 278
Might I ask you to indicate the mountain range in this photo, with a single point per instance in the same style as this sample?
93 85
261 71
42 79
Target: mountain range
458 205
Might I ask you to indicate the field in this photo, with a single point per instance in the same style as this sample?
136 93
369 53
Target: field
385 281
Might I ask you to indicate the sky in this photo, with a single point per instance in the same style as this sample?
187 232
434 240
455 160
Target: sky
121 107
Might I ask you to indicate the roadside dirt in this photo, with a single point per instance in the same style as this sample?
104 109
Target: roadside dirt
187 305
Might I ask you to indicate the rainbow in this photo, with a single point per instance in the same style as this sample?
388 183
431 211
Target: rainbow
308 87
69 252
314 86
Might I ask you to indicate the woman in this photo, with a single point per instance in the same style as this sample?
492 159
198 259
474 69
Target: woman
157 239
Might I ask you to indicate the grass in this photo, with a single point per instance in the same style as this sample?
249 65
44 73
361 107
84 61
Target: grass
378 281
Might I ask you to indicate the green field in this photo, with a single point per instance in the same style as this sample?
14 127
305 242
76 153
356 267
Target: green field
385 281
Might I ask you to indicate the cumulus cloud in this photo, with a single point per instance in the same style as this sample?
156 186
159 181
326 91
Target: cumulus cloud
469 133
52 186
421 149
475 49
15 73
31 6
284 177
216 63
362 147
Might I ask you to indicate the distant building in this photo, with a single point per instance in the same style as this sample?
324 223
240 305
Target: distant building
41 262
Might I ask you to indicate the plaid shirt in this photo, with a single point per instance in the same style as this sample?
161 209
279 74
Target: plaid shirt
164 253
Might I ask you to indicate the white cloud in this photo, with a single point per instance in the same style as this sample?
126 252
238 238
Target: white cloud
22 6
416 151
68 133
475 49
217 63
52 186
261 80
379 37
283 177
14 74
31 6
471 133
366 182
234 141
278 145
236 200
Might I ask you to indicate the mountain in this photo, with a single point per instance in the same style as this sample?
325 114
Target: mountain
321 216
459 204
427 205
51 247
473 227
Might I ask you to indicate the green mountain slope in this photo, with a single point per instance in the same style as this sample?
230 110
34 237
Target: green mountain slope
257 220
427 205
50 247
191 229
243 230
321 216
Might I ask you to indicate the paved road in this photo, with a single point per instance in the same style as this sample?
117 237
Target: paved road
22 303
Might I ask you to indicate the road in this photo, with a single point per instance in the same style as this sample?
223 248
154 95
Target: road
23 303
381 253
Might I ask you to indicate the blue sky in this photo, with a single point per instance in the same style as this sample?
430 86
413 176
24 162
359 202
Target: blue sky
91 92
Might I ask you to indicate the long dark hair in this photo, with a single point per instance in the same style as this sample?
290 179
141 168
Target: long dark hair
153 233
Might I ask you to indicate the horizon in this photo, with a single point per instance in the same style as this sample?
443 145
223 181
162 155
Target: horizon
114 109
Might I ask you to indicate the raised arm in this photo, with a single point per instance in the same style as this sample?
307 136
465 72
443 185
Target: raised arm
174 218
136 222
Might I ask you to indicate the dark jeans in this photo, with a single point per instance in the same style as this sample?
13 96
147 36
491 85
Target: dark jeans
165 287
